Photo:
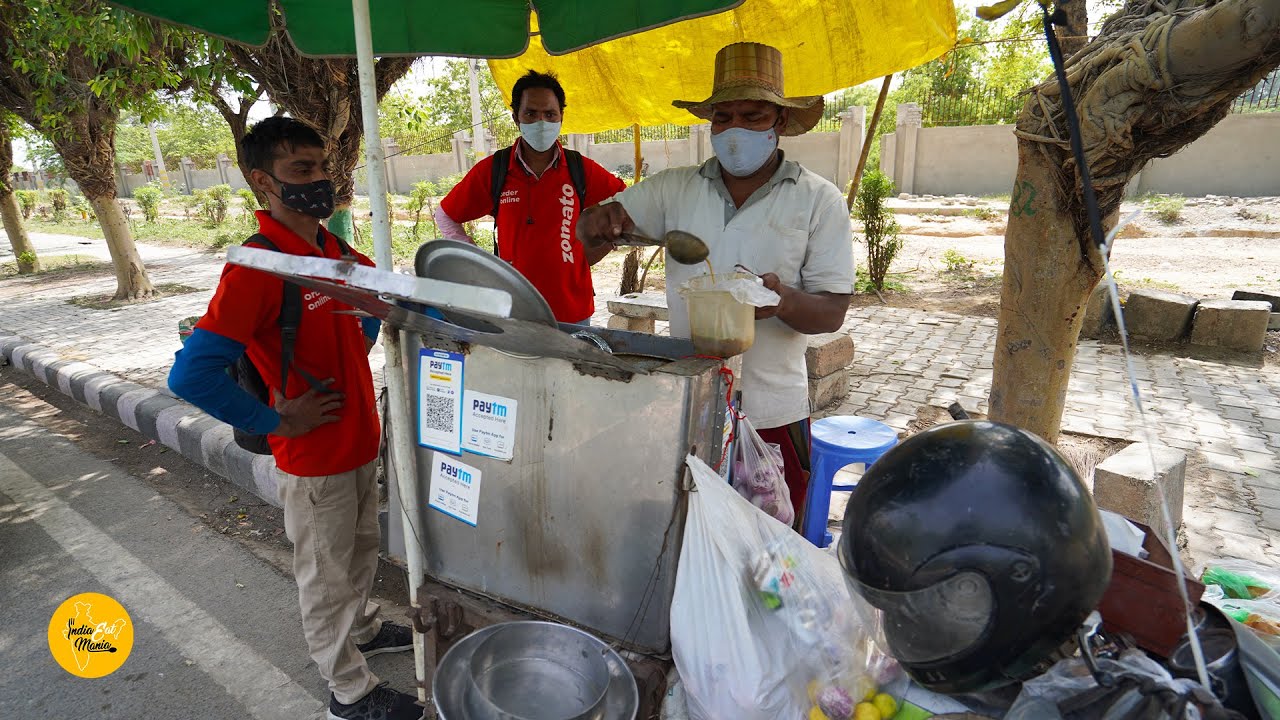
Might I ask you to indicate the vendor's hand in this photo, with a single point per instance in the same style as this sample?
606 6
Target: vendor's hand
603 224
772 282
308 411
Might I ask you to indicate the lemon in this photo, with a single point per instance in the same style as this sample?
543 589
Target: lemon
817 714
887 706
866 711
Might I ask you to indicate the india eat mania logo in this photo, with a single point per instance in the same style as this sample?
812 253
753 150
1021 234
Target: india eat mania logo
90 635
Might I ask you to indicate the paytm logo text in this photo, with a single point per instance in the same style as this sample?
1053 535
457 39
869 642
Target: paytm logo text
459 474
489 408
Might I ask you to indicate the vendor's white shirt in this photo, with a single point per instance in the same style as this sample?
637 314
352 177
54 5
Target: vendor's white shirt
796 226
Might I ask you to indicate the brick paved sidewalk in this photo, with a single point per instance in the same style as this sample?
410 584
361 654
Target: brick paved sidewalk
1227 417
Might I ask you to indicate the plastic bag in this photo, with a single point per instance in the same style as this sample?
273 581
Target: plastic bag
758 474
1068 684
1261 615
1242 580
750 291
747 648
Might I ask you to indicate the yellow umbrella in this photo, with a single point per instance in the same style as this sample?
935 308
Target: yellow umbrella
825 46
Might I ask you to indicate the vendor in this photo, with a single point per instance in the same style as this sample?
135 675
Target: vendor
754 207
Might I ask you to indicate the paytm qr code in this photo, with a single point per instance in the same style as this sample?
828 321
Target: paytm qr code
437 413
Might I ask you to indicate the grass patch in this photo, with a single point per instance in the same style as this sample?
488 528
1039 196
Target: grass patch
985 214
58 265
863 285
165 231
1168 208
106 302
1143 282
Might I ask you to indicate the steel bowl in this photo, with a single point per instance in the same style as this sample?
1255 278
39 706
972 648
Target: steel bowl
533 671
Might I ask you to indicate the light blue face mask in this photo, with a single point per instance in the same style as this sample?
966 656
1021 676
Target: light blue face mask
540 135
742 151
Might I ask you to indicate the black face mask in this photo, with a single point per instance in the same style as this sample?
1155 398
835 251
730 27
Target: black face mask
313 198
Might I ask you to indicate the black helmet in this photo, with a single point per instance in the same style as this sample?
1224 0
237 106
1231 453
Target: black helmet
982 549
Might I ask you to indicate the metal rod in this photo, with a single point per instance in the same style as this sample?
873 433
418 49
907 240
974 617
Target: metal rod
402 455
635 137
866 145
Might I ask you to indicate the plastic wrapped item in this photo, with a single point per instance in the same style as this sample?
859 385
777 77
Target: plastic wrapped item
1069 692
722 312
758 474
1242 580
1261 615
762 625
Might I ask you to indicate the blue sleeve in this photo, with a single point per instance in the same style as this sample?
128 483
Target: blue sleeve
371 327
199 376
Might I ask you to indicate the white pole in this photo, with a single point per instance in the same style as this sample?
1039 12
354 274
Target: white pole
478 141
402 448
155 147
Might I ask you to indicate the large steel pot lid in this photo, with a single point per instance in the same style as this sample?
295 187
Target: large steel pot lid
464 263
453 687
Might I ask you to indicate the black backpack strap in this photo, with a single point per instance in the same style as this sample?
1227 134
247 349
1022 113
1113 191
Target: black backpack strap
501 163
578 174
290 319
497 180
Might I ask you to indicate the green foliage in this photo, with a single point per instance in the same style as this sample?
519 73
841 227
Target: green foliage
26 258
80 206
419 202
185 130
863 284
879 229
248 200
66 59
956 262
425 123
27 200
149 197
213 203
60 200
1168 208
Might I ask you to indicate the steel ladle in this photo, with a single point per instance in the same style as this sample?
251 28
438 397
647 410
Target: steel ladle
685 247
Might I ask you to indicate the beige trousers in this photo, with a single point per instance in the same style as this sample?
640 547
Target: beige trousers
333 523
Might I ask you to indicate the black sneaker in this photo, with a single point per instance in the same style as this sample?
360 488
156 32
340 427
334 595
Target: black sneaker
382 703
390 638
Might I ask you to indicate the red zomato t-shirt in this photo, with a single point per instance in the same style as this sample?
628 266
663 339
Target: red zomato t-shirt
537 218
246 308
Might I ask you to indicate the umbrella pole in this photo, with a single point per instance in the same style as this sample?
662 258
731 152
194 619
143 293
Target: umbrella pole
871 136
402 451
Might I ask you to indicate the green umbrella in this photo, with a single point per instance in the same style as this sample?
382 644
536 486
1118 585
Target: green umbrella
473 28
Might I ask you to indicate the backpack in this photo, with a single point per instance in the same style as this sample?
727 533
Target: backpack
246 374
502 161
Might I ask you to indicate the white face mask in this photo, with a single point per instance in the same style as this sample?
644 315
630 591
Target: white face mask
742 151
540 135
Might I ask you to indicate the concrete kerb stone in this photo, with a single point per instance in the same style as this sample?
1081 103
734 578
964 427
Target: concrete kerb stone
1098 315
162 418
1127 483
1233 324
1159 315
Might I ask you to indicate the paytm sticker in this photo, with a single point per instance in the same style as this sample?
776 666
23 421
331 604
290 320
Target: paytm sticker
489 425
455 488
440 400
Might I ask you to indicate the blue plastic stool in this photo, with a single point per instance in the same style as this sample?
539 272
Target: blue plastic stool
838 442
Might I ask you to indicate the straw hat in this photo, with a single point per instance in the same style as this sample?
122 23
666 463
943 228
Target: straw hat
753 71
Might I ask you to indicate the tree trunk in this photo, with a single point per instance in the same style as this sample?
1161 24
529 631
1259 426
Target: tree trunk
11 216
1075 34
90 157
631 273
132 282
1046 285
1157 77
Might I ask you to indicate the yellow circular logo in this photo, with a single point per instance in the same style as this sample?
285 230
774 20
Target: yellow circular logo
90 635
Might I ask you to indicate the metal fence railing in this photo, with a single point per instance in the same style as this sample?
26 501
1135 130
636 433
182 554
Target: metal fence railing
656 132
971 105
1264 97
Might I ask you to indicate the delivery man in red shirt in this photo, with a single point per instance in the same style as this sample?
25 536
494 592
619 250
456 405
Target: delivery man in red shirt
322 427
543 188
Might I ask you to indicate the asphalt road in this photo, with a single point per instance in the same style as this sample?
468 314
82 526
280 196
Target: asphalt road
87 505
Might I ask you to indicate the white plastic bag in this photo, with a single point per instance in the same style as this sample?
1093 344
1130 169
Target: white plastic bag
758 474
733 664
746 650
